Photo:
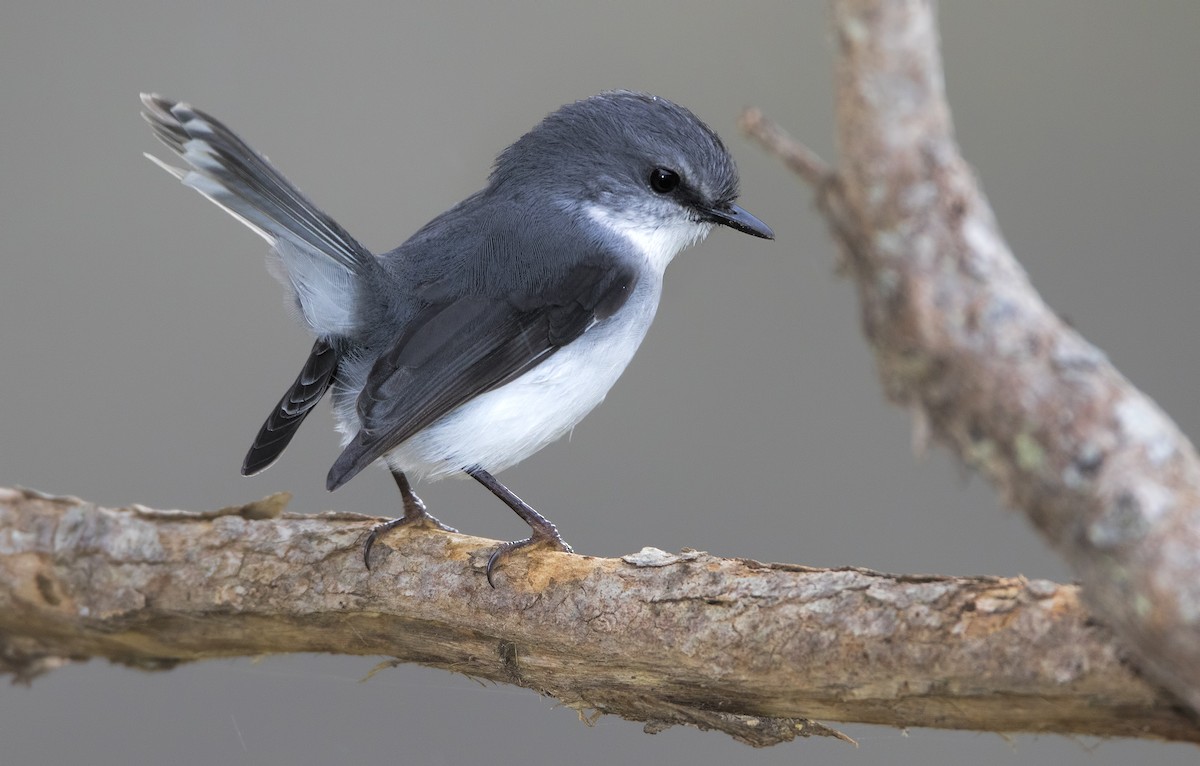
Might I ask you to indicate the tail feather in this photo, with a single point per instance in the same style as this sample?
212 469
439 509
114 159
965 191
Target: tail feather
277 432
322 263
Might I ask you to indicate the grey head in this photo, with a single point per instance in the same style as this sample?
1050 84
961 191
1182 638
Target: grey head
637 162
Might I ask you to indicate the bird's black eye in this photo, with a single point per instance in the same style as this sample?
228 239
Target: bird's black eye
664 180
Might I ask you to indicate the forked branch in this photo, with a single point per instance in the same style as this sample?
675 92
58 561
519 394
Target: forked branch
964 341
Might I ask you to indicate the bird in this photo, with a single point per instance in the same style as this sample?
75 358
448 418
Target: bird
497 326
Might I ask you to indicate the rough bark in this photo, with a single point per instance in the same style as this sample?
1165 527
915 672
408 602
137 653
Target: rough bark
751 649
755 650
964 341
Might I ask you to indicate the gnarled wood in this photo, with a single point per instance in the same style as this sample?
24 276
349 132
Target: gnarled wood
964 341
756 650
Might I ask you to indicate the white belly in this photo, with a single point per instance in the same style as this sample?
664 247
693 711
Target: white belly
504 426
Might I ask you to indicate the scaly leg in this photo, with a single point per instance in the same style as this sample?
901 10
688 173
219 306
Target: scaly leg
544 532
414 513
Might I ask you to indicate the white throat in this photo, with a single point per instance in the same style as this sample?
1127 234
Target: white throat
657 240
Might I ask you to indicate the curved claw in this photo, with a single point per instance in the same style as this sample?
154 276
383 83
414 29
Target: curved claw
501 550
423 519
367 544
551 540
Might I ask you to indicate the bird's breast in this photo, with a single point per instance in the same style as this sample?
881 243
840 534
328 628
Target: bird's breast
500 428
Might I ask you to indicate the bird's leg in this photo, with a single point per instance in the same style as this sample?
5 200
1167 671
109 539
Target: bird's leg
544 531
414 513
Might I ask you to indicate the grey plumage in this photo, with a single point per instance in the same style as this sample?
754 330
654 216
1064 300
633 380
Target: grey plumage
499 324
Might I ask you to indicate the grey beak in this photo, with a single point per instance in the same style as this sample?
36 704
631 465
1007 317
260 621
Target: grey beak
736 218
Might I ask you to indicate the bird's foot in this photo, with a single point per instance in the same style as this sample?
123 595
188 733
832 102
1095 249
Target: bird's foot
415 515
543 536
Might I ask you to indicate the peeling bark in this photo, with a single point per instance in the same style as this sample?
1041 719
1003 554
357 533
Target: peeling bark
754 650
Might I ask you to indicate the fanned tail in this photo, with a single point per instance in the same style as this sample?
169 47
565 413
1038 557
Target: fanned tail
319 261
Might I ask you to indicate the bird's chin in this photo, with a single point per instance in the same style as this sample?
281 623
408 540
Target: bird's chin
658 240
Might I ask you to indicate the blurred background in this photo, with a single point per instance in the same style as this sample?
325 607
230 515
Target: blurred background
143 342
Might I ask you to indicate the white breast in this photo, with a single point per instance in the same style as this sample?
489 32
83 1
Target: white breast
508 424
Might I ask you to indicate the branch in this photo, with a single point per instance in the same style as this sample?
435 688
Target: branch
964 341
751 649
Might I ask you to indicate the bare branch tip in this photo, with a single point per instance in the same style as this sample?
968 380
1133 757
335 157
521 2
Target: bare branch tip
802 161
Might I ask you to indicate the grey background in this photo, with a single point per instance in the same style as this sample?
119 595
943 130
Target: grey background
143 341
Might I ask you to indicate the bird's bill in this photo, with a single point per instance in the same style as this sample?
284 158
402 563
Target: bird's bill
735 217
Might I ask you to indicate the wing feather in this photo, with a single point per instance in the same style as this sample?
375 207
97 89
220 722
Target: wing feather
458 350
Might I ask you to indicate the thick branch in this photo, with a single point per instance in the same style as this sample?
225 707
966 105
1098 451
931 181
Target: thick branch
964 341
752 649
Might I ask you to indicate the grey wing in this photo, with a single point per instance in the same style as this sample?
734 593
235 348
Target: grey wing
458 350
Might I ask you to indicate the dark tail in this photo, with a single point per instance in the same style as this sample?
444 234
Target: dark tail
295 405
